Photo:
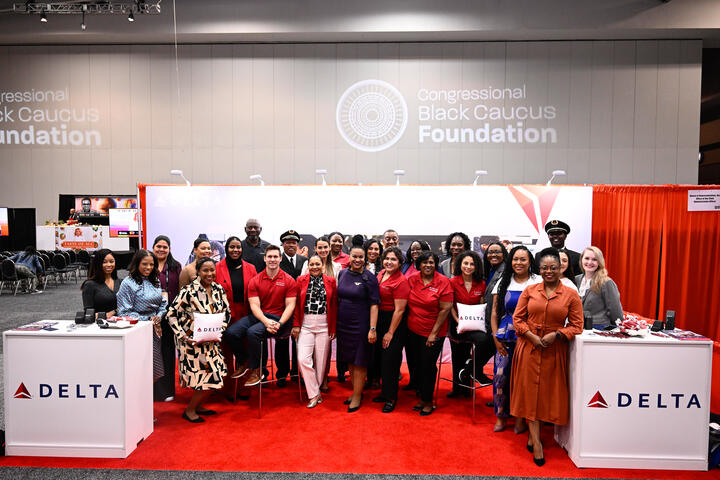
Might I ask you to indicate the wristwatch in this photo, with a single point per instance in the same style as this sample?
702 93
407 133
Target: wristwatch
558 335
372 329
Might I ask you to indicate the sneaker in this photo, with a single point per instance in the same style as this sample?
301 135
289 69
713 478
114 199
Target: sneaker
254 379
483 380
35 292
240 371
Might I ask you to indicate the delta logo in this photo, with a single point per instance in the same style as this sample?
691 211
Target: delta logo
67 390
648 400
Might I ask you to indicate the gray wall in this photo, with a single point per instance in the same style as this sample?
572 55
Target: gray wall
627 112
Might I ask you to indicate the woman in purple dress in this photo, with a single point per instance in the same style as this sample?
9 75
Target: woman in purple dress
358 299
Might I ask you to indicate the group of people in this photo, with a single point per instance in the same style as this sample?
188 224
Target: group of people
376 301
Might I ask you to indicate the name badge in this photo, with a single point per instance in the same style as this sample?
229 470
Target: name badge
280 284
433 289
357 284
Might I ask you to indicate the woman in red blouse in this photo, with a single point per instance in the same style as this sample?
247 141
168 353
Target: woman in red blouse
469 289
391 328
430 301
234 274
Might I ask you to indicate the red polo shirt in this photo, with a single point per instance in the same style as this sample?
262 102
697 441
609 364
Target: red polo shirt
343 259
272 292
424 302
473 297
394 288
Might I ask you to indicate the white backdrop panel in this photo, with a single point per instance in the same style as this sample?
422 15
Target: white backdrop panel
515 212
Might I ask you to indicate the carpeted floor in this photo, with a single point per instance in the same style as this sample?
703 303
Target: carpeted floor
365 445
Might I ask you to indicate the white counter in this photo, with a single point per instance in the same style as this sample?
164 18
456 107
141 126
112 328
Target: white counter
638 403
78 392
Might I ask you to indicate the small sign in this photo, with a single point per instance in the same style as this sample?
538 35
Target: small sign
703 200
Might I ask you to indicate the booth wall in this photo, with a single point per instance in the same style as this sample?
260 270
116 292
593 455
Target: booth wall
622 112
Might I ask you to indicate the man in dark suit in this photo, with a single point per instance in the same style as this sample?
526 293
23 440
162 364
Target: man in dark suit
292 264
557 231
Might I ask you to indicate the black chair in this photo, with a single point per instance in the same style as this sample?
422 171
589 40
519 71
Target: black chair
49 269
83 259
61 267
9 275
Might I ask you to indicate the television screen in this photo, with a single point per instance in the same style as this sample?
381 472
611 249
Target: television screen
4 230
124 222
100 206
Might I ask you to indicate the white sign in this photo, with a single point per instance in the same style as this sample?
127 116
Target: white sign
372 115
703 200
516 213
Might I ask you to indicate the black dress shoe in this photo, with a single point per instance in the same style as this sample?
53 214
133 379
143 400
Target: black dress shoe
203 411
425 413
281 382
454 394
341 378
197 420
379 399
408 387
388 407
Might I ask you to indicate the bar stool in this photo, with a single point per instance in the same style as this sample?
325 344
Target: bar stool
475 385
272 380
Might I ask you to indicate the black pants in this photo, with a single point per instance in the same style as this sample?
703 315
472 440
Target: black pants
389 359
254 331
165 385
282 357
484 351
426 364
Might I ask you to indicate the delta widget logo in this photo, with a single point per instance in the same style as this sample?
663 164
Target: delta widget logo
22 392
597 401
371 115
536 202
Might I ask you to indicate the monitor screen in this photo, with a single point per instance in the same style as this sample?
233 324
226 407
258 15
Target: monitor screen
124 222
4 230
100 206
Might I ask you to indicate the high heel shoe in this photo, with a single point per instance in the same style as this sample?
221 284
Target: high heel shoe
539 461
530 447
313 403
199 419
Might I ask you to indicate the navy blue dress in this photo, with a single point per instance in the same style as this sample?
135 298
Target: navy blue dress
357 292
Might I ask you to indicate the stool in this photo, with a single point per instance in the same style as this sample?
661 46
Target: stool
474 385
272 370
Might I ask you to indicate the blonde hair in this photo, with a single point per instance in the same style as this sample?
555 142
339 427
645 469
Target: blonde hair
601 275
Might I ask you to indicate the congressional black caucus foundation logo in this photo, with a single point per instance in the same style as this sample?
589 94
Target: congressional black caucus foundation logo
371 115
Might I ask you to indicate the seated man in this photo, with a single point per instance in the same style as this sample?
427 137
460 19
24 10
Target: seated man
271 294
28 266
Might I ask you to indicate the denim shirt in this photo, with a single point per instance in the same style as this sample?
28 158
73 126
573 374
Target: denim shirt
142 301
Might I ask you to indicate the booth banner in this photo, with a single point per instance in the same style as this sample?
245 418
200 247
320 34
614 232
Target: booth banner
513 214
78 238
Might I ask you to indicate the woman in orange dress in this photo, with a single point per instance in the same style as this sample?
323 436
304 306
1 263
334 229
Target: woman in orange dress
540 368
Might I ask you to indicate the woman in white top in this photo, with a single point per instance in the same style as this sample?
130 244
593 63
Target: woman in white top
520 271
565 271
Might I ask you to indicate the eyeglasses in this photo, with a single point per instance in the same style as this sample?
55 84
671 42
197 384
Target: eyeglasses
549 269
494 252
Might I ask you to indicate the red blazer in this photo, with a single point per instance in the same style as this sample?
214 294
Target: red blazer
222 276
330 293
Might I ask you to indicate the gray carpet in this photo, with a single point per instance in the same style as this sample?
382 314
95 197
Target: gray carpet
61 303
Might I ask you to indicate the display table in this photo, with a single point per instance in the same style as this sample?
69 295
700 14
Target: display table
78 391
638 403
47 236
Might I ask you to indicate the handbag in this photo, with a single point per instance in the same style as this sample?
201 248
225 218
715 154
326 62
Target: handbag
471 318
207 327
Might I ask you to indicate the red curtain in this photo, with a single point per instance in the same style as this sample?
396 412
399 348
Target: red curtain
627 227
691 241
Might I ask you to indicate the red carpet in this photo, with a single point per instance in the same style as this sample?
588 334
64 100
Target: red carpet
292 438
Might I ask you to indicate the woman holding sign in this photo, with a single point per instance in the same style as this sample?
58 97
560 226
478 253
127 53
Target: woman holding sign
200 360
468 291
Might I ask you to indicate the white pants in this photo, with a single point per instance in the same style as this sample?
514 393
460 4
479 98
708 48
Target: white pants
313 342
